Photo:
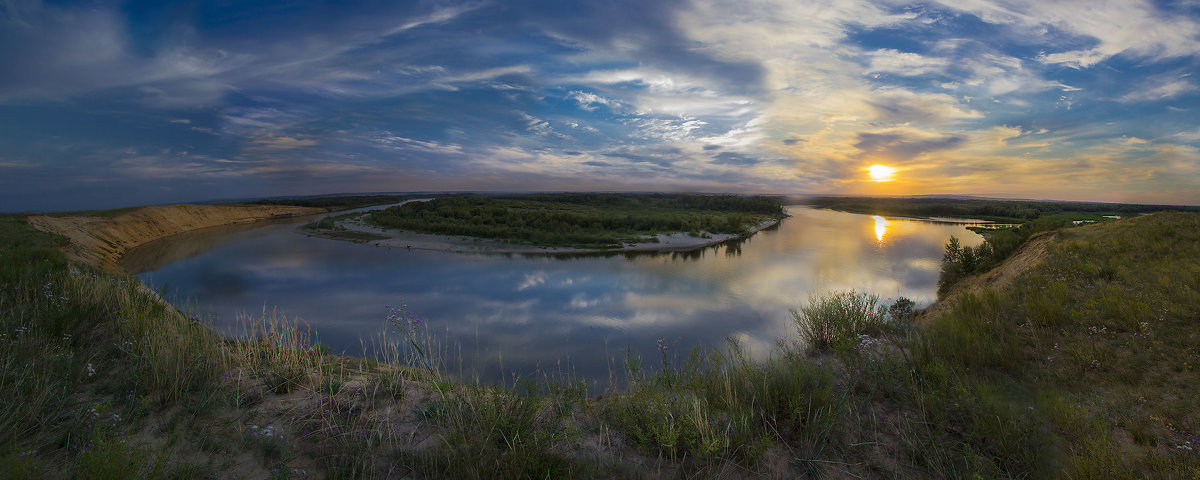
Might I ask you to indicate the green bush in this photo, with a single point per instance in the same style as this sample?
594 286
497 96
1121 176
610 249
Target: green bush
839 317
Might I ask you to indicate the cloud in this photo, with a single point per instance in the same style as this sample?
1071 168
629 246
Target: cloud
887 60
898 105
590 101
395 142
904 144
1163 91
1077 59
661 158
442 15
480 75
737 159
1137 28
668 129
771 95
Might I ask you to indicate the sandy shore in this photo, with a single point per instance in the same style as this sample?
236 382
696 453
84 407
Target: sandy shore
356 230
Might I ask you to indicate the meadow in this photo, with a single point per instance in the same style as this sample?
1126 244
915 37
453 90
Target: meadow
1084 368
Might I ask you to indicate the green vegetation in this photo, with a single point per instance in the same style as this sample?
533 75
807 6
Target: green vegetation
839 317
1004 211
112 212
580 220
1031 217
327 226
332 203
962 261
1086 368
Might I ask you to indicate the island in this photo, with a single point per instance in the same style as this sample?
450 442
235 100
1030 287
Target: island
564 223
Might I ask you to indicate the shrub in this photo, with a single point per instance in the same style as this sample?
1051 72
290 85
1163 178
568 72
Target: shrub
902 311
838 318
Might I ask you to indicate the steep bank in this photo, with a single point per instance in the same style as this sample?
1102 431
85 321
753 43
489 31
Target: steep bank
101 241
1031 254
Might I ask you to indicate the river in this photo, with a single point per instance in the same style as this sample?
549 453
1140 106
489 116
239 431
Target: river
496 316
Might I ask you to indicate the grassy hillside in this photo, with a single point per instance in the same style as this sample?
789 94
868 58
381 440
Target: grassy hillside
1086 368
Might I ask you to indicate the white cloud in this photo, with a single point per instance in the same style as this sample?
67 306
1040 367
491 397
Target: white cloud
589 101
532 280
396 142
1077 59
668 129
486 74
440 16
1134 27
888 60
1163 91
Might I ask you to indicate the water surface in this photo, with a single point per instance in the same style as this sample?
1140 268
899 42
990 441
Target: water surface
552 313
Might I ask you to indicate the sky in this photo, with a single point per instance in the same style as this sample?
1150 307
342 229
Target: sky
108 104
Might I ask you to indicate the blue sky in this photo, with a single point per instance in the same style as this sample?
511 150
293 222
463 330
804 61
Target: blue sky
106 104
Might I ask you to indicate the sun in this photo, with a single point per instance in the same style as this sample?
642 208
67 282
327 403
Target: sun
881 173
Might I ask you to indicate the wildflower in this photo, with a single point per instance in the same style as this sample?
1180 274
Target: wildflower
91 372
662 345
195 319
403 319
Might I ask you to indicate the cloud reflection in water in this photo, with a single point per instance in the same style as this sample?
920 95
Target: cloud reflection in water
570 312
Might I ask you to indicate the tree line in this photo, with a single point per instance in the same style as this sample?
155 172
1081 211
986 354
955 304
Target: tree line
592 220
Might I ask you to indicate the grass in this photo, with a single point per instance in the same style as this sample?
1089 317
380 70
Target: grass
1086 368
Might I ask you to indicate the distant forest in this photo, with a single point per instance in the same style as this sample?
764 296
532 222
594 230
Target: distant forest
1008 211
580 219
334 203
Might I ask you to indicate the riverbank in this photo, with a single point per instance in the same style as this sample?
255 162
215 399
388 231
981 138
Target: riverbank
358 231
102 240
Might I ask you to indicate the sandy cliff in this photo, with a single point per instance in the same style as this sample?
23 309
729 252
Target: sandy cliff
102 241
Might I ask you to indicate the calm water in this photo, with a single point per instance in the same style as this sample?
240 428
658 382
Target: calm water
555 313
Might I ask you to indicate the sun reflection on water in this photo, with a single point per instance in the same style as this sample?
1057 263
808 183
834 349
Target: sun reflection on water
880 227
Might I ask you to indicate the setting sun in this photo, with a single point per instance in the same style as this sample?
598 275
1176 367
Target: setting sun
881 173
